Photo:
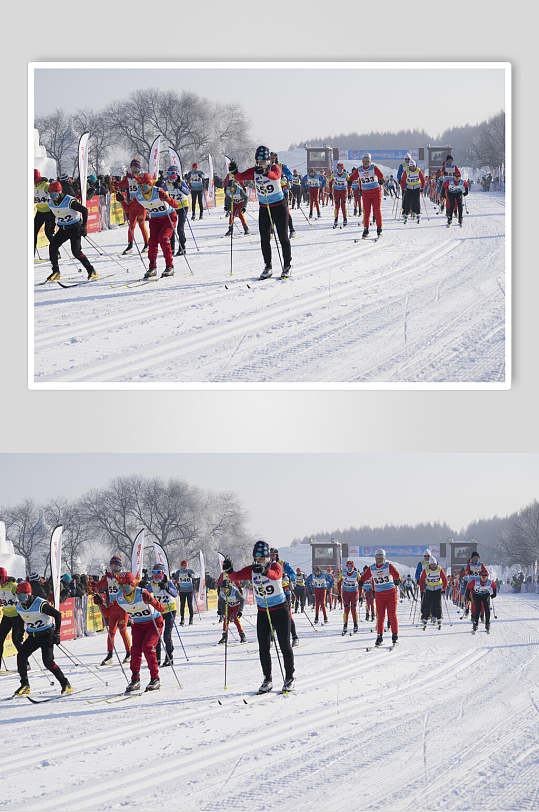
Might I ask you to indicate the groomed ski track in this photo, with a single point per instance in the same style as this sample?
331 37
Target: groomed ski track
424 304
447 720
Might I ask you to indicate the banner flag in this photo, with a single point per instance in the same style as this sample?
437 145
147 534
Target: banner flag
137 554
161 557
202 584
153 162
175 161
211 184
221 558
56 563
83 166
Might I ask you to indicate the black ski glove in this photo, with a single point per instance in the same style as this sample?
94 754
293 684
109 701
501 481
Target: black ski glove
227 565
57 638
98 599
83 231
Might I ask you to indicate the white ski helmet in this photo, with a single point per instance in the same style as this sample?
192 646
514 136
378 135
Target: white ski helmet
427 553
380 553
407 157
366 157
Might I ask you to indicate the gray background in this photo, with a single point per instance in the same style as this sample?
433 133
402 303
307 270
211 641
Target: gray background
269 421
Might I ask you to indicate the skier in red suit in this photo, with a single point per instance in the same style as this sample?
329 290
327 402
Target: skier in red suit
371 180
160 207
145 613
114 616
386 580
126 191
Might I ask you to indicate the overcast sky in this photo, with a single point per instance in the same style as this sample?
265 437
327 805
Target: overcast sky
289 106
294 495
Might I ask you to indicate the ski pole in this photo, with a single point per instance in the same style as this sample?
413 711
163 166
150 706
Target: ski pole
447 610
301 210
275 236
109 256
184 255
231 226
94 245
192 232
38 256
165 648
42 670
270 623
117 655
180 639
226 638
493 609
309 619
75 663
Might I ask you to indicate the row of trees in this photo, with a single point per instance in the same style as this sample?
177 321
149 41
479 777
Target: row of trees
182 518
473 145
193 126
512 539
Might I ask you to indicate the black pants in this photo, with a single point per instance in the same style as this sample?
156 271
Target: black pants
49 219
404 193
296 196
65 233
299 598
451 200
44 641
290 223
15 625
279 216
478 601
168 619
196 195
432 604
186 596
280 619
292 623
180 228
413 201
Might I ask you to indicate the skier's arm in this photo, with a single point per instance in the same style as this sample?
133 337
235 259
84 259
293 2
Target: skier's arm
147 597
403 181
274 172
379 175
49 610
171 589
289 571
444 579
170 200
76 206
418 571
367 574
395 573
422 179
247 174
422 579
286 172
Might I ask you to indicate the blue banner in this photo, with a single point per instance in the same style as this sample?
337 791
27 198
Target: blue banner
377 154
407 551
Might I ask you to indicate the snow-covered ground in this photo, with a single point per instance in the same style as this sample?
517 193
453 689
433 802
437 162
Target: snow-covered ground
424 304
446 721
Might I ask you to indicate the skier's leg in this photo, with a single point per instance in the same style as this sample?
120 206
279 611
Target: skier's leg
263 633
59 239
281 224
264 227
47 655
281 624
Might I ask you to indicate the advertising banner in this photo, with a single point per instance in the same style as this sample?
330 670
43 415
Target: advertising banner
83 165
153 161
202 584
68 629
117 216
137 554
211 184
94 618
161 557
56 562
9 648
377 154
94 220
175 161
212 600
406 551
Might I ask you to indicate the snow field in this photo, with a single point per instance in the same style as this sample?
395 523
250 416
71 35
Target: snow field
424 304
447 720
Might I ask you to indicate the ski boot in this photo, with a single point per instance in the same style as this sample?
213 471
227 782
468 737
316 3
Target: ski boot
288 684
466 611
474 628
66 688
224 638
344 629
180 252
128 249
190 621
356 628
355 213
246 231
107 659
424 622
405 219
153 685
417 220
200 216
266 686
53 277
134 685
181 622
379 231
193 217
365 233
295 642
316 620
439 625
22 690
326 620
151 272
169 271
266 273
448 221
345 222
310 215
243 639
127 658
285 273
335 224
229 232
168 661
394 639
92 274
460 222
145 248
292 233
379 640
487 628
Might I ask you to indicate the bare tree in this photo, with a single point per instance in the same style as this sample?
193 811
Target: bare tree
521 541
488 146
57 135
102 137
110 513
26 530
76 533
133 121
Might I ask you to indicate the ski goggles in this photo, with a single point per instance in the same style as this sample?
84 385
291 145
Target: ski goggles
157 574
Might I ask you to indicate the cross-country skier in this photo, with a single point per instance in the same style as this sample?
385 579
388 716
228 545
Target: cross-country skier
409 587
288 581
482 589
422 565
434 582
299 591
295 184
237 197
340 190
348 582
163 590
386 580
114 616
126 193
11 621
273 211
371 179
403 168
145 613
184 578
273 612
320 582
356 192
71 217
43 215
454 190
314 183
177 188
286 180
42 624
412 185
232 597
195 178
449 171
163 218
367 590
